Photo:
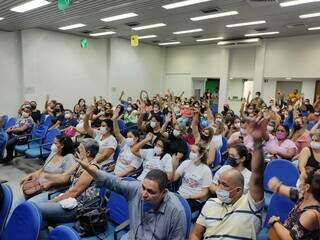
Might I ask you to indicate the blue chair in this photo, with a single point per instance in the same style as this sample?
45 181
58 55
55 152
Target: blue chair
187 210
216 164
63 232
284 170
279 206
116 153
36 138
24 223
10 123
46 120
43 150
6 206
4 119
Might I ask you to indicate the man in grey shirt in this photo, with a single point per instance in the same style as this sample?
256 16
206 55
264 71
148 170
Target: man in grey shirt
155 213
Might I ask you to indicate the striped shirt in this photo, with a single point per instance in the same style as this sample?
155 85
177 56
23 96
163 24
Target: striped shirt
241 220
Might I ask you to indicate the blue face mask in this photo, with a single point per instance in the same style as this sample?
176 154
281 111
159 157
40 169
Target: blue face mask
223 196
148 206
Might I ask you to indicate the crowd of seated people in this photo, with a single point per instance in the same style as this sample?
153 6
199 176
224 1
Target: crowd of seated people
182 138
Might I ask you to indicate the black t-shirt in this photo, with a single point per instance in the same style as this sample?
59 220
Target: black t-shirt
178 145
36 115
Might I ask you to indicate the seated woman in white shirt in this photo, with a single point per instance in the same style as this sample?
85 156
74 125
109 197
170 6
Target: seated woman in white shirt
154 158
196 177
127 162
239 159
103 135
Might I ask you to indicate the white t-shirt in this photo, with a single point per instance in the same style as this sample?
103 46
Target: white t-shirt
126 158
216 142
109 142
245 173
194 177
151 161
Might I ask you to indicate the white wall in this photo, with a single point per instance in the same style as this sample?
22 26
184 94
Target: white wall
55 64
242 62
10 73
133 69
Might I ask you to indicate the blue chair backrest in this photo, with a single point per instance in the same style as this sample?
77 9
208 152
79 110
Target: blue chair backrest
24 223
217 159
116 153
118 205
3 145
187 210
279 206
224 147
4 120
46 120
40 132
63 233
6 206
51 134
10 123
284 170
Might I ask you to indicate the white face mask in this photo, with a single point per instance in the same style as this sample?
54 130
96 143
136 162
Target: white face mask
54 148
81 117
315 145
223 196
153 124
193 156
237 125
157 150
176 133
243 131
67 115
103 130
129 109
25 114
270 128
130 141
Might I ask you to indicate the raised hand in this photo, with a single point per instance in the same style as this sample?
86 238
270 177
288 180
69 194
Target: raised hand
115 115
168 117
149 137
257 128
90 109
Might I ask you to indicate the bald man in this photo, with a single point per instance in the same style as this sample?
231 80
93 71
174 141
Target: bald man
233 214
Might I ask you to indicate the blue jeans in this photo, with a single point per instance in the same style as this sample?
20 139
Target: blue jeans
52 213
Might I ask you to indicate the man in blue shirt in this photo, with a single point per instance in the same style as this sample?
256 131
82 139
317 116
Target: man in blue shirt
3 140
155 213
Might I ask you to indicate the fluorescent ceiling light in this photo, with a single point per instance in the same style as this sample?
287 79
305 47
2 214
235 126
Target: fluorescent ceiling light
147 36
245 24
168 43
261 34
1 18
188 31
119 17
209 39
310 15
296 2
29 6
156 25
78 25
251 40
101 34
314 28
215 15
183 3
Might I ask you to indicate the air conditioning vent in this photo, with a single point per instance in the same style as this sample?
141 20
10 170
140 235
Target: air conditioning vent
210 10
132 24
261 29
295 25
262 3
240 43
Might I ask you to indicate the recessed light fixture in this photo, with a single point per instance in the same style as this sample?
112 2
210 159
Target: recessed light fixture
245 24
183 3
147 36
169 43
209 39
101 34
251 40
296 2
310 15
188 31
30 5
119 17
261 34
73 26
156 25
314 28
215 15
1 18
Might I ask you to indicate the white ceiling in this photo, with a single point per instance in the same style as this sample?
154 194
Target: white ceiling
90 12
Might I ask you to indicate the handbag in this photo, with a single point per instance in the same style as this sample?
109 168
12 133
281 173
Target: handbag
91 217
31 188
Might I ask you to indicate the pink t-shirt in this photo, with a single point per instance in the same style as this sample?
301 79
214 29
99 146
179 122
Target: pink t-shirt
302 141
247 140
283 147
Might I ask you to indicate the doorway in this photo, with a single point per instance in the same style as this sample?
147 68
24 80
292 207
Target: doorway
287 87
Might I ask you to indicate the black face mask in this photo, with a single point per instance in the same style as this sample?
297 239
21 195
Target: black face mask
233 162
204 137
297 127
